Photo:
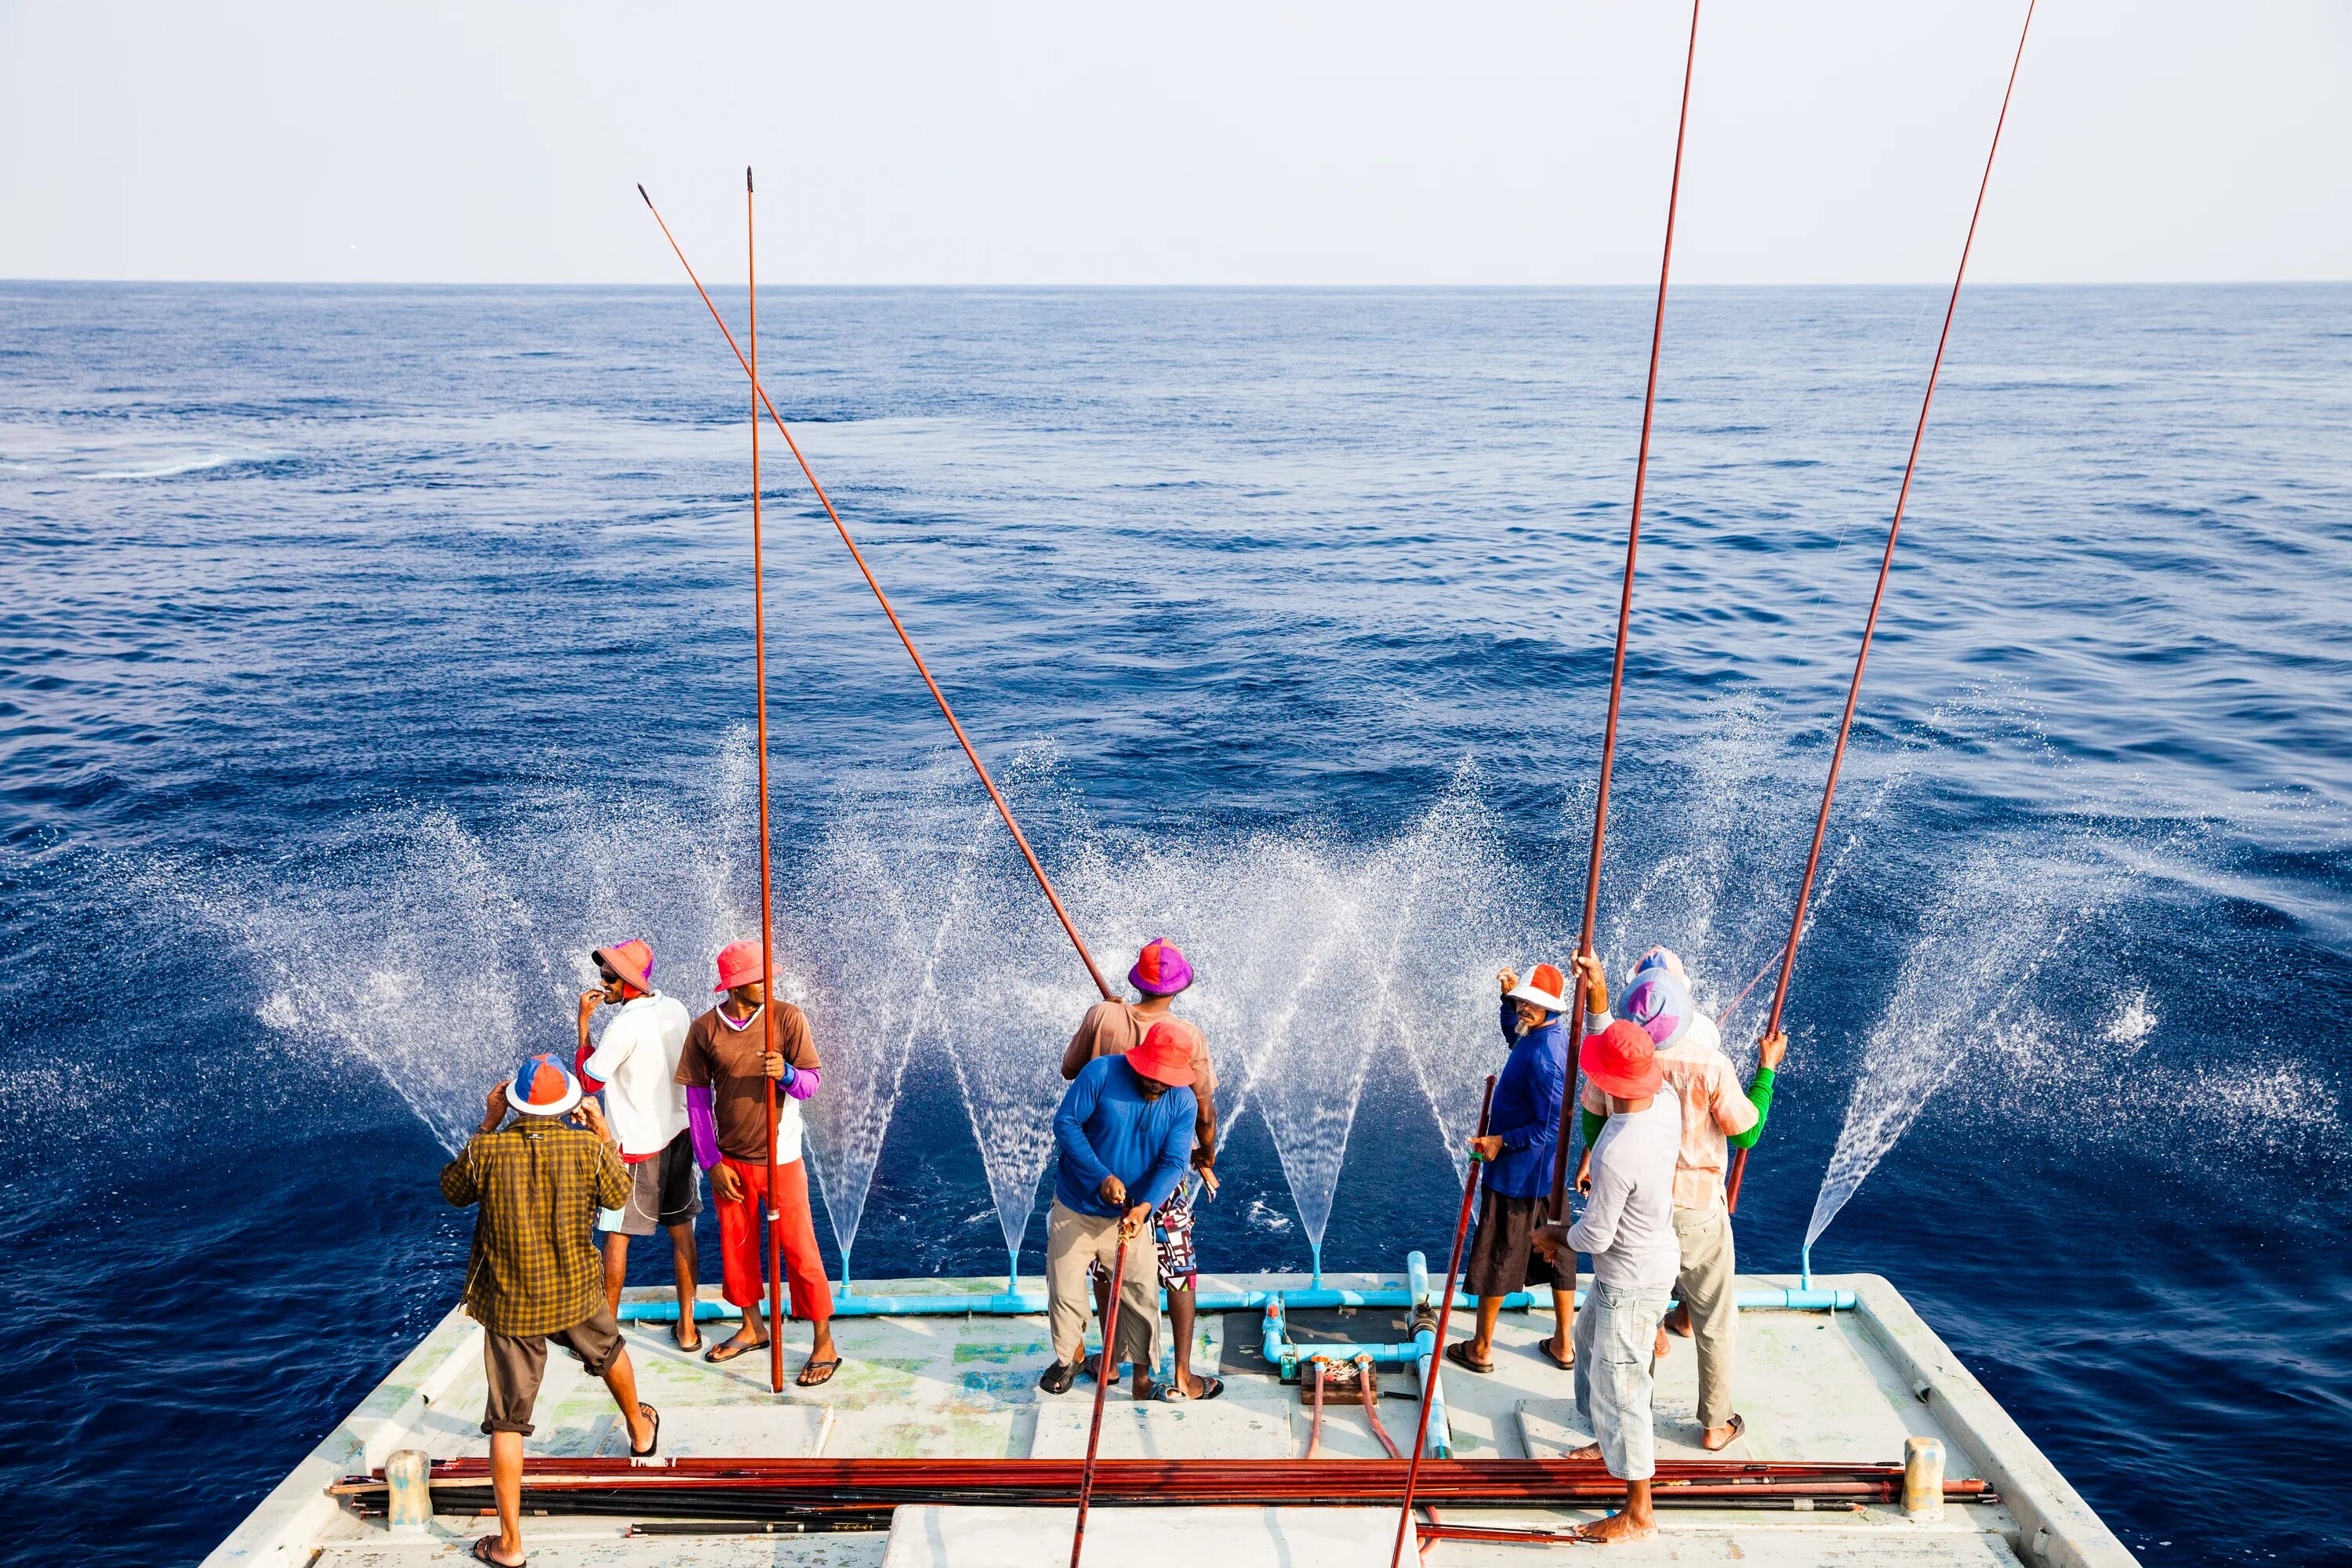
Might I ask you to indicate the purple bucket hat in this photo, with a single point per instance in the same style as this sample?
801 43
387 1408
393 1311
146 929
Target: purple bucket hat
1161 969
1660 1002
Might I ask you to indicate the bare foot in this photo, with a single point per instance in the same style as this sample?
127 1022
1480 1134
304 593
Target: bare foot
1589 1451
1616 1529
1659 1353
1678 1322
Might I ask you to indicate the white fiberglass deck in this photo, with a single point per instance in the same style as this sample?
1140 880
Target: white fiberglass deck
1846 1386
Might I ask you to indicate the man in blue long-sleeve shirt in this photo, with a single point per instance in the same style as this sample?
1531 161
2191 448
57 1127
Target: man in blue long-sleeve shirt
1123 1137
1522 1131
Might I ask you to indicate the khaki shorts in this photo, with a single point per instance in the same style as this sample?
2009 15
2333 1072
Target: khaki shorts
664 1191
516 1363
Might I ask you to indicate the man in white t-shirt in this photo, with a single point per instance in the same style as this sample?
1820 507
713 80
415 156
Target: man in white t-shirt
1628 1228
635 1066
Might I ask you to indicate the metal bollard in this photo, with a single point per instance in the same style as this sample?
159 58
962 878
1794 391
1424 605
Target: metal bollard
408 1483
1923 1478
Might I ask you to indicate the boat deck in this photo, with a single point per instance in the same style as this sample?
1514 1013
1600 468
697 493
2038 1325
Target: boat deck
1840 1386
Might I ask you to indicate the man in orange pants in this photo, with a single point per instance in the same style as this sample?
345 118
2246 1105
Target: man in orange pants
726 1068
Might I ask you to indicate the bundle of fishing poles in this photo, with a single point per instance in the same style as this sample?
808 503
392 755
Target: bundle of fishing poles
861 1493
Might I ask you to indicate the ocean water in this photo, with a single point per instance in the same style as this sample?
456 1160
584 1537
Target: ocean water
366 654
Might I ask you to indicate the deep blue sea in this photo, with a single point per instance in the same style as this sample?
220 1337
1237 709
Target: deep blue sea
367 655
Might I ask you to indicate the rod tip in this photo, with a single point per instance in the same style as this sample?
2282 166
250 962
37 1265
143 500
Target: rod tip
641 191
746 176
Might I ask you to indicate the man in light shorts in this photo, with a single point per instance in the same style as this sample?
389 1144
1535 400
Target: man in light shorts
635 1066
1628 1228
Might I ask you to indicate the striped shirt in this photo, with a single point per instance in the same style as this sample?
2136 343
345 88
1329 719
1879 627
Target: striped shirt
540 1183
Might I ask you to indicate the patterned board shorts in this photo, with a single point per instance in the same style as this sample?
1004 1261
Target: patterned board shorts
1174 1222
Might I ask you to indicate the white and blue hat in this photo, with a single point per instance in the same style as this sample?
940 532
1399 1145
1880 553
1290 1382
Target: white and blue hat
1660 1002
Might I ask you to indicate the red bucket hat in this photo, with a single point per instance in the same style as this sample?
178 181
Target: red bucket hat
633 960
739 964
1623 1060
1164 1056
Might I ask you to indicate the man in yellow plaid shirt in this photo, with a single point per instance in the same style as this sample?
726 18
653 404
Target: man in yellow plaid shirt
534 1276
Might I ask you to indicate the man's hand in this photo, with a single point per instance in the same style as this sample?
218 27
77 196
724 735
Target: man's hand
589 1001
1596 982
725 1184
773 1063
494 1108
1113 1192
1209 1179
592 1116
1487 1148
1510 979
1584 1173
1547 1239
1133 1224
1771 1048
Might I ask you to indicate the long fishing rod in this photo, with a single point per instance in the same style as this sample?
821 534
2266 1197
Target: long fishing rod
760 397
767 903
1437 1344
1886 565
1103 1374
1568 1083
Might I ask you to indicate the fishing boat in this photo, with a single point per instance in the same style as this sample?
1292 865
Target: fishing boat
1867 1441
1339 1437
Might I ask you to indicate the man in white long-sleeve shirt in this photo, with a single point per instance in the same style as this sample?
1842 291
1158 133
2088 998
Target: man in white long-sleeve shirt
1628 1229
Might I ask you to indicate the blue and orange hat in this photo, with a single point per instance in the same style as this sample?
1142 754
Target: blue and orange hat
1161 969
543 1086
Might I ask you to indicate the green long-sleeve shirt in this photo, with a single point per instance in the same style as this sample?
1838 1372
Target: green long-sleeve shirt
1760 1095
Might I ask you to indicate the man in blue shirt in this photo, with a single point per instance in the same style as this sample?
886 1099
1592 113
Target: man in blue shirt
1522 1131
1124 1135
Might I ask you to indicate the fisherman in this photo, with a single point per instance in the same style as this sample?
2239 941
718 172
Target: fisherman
1628 1228
1124 1134
1523 1130
1717 1117
1113 1028
533 1276
635 1068
725 1067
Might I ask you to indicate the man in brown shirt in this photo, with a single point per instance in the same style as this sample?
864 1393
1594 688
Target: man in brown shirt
533 1276
1113 1029
727 1068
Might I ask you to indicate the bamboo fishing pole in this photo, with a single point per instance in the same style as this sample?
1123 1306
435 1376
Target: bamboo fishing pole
1569 1078
1103 1372
1437 1345
1870 622
972 753
767 899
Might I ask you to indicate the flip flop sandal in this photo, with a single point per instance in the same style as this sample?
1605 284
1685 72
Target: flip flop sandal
1738 1429
1057 1378
690 1347
1568 1365
824 1368
1173 1392
727 1349
482 1547
1458 1352
650 1450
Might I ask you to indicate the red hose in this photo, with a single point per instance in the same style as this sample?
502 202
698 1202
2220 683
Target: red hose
760 397
1870 622
1568 1093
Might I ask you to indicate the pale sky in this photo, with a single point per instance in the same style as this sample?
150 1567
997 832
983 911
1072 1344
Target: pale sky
1831 140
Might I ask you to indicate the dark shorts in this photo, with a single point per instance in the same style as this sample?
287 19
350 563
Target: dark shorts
515 1365
664 1191
1502 1259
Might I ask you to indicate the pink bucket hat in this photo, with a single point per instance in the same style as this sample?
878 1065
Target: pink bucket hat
633 960
740 964
1660 1002
1161 969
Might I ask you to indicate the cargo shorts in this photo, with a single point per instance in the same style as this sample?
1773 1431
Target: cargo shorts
515 1365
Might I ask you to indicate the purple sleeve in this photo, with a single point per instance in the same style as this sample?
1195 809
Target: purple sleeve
704 1123
803 1084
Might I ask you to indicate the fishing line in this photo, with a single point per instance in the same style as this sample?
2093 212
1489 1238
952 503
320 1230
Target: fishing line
760 397
1886 565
